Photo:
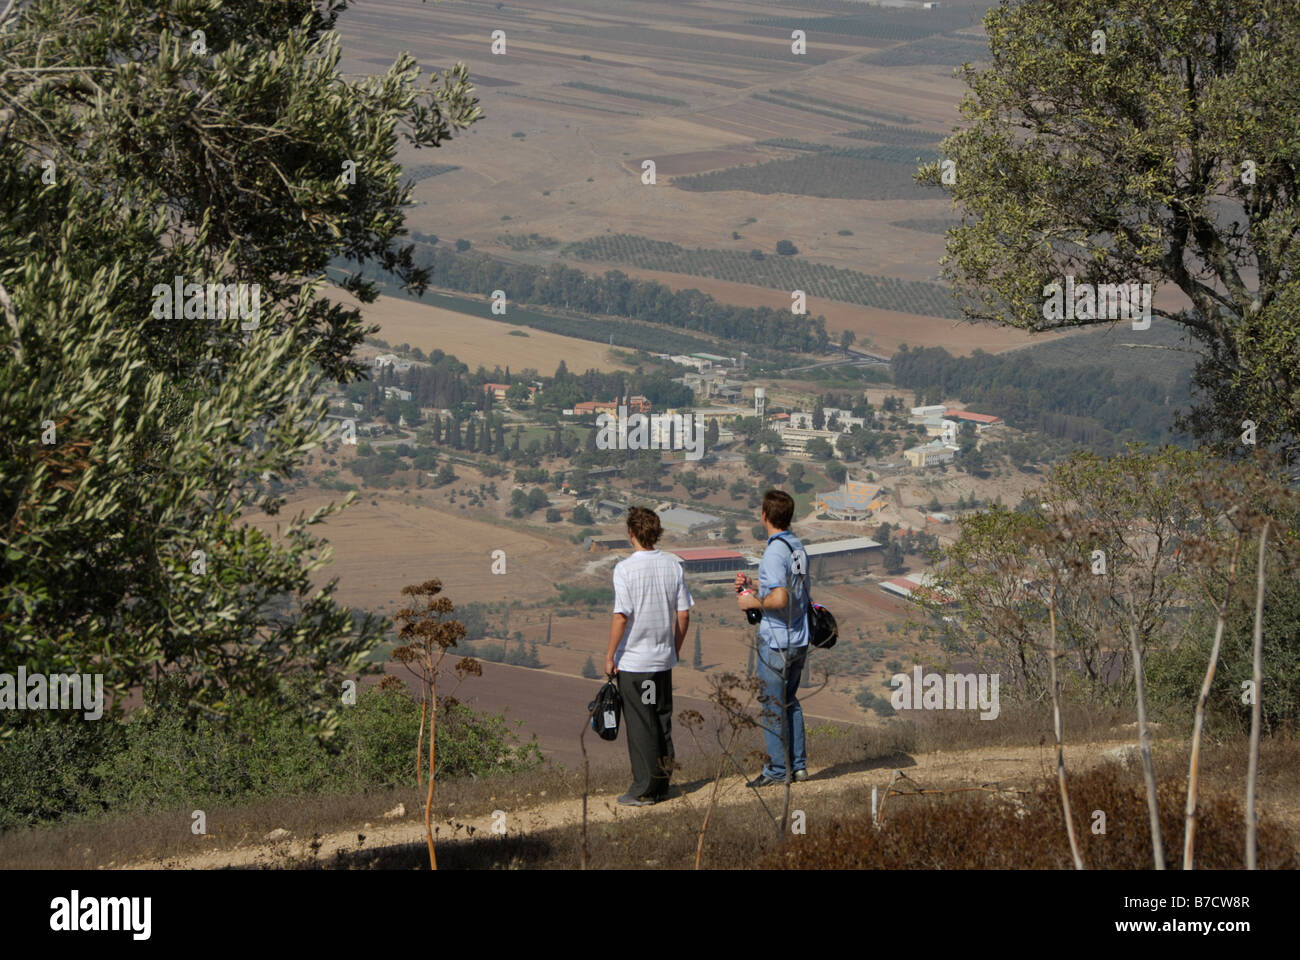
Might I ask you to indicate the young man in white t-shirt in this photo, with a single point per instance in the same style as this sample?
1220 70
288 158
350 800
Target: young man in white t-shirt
651 613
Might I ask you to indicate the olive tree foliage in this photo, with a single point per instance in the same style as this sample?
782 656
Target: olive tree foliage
1145 539
1123 141
217 141
1103 540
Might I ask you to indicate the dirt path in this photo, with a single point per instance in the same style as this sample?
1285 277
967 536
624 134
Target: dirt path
1004 765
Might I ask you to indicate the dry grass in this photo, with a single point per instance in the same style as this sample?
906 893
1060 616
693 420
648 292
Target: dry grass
975 831
167 835
958 831
1016 725
961 830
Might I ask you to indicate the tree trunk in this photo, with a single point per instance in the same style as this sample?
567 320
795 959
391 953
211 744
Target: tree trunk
1144 739
433 751
1189 830
1256 708
708 812
1060 748
419 742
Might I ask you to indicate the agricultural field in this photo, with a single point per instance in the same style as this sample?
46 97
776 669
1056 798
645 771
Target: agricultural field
588 90
926 224
477 340
392 537
947 51
893 136
844 173
772 270
872 129
626 94
425 171
841 106
882 24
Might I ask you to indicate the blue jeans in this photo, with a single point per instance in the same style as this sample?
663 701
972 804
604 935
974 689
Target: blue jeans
769 675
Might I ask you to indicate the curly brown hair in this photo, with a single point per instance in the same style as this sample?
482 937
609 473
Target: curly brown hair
644 526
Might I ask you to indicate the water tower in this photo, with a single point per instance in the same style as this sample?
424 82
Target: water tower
760 402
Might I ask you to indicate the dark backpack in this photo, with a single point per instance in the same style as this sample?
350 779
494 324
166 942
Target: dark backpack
605 711
823 631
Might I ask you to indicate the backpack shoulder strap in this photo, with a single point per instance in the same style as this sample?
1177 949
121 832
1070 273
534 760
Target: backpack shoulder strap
807 585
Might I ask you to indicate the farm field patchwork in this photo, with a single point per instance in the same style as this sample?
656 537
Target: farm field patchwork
776 271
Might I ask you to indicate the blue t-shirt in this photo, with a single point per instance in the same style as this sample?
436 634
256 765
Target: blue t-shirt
784 568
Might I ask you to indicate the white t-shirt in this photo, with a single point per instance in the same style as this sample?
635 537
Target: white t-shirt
649 589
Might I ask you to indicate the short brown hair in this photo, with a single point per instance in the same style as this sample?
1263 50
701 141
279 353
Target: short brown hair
778 507
644 525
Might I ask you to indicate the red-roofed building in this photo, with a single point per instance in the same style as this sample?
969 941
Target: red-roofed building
498 390
917 587
981 420
588 407
709 559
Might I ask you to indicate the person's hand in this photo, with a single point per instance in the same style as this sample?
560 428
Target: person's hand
610 669
748 601
744 581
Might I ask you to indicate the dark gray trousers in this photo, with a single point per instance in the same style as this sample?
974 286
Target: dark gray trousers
648 723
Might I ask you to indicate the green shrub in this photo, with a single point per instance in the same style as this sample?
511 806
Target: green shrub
1174 676
571 595
870 701
168 762
44 770
158 760
476 744
379 735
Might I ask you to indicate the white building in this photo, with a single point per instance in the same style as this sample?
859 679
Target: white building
392 360
844 419
794 442
931 454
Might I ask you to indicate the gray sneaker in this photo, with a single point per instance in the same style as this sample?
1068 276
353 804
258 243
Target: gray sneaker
630 801
800 776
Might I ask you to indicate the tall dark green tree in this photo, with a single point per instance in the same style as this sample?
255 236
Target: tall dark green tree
218 143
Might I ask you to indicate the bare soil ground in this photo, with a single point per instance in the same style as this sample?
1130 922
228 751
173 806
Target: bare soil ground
384 543
1007 766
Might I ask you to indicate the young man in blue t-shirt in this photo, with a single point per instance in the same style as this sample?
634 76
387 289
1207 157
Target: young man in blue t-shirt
782 595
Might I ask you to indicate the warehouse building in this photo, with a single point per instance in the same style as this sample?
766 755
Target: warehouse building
682 521
840 556
708 560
